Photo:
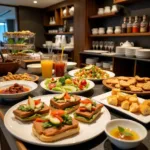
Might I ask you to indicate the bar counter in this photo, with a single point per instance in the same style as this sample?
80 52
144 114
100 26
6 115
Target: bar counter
99 143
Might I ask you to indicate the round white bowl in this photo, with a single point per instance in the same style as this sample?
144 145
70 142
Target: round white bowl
71 65
13 97
125 144
34 68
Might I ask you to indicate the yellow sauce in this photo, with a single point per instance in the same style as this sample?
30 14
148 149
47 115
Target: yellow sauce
115 133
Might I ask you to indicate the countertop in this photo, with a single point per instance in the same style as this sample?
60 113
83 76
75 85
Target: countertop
99 143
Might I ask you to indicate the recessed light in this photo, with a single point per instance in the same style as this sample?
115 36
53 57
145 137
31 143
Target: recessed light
34 2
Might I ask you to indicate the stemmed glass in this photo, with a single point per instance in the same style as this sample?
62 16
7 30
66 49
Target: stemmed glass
93 45
106 45
97 45
101 45
112 46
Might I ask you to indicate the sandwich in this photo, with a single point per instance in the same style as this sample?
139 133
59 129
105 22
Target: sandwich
55 126
31 110
66 102
88 111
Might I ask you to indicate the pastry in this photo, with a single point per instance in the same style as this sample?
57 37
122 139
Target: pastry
139 79
112 100
146 86
124 83
134 108
125 105
123 78
115 91
144 109
135 89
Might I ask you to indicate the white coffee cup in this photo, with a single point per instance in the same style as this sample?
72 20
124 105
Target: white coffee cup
114 8
95 31
100 11
110 30
101 30
107 9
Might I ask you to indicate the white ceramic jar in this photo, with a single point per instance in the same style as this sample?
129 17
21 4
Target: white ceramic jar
101 31
71 11
117 29
95 31
100 11
107 9
110 30
114 8
71 29
65 12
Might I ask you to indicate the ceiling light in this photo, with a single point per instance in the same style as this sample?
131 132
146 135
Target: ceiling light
34 2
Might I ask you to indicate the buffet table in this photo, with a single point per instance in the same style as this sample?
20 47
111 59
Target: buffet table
99 143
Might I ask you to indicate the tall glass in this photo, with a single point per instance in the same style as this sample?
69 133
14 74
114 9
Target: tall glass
47 65
60 64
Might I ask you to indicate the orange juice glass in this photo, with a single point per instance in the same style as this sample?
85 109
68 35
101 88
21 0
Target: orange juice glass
47 65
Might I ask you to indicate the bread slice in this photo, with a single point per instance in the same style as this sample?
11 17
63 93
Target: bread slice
86 120
68 110
56 137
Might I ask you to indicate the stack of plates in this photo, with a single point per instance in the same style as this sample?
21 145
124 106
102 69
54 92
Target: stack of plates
130 52
120 51
91 61
143 53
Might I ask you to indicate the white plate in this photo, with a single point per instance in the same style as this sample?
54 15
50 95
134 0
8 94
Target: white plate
91 86
103 99
23 131
72 72
13 97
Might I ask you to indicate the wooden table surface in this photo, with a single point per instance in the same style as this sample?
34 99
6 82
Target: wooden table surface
99 143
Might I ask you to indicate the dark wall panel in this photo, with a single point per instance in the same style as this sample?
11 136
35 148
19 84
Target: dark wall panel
32 19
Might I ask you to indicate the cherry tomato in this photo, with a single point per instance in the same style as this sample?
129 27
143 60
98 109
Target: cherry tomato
67 96
57 112
51 86
81 87
41 120
93 108
82 109
83 82
37 101
86 101
59 117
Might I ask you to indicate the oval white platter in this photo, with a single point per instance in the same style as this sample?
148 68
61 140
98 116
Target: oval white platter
23 131
91 86
72 73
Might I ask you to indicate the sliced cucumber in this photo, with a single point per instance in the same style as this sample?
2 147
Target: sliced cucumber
38 107
89 106
54 120
58 89
69 88
60 96
88 67
31 102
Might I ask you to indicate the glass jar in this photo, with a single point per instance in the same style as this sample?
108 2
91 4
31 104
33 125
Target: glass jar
118 29
136 25
110 30
144 25
129 25
124 25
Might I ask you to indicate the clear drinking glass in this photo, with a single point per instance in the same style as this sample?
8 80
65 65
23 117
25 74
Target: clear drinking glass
93 45
47 65
97 45
101 45
106 45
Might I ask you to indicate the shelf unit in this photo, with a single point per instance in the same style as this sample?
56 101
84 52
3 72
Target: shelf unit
103 16
60 33
122 34
68 17
123 1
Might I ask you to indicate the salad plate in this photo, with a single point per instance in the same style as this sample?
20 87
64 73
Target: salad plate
94 71
67 84
87 131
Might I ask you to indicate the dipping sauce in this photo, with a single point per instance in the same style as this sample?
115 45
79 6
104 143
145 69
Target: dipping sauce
117 134
16 88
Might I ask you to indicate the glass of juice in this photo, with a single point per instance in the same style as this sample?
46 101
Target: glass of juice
60 64
47 65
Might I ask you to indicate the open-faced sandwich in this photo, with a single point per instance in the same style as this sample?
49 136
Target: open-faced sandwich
55 126
31 110
66 102
88 111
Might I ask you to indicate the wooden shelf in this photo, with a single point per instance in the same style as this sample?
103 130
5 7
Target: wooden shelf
68 17
61 33
53 25
103 16
122 34
123 1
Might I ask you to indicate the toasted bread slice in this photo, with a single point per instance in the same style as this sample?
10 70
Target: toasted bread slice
54 134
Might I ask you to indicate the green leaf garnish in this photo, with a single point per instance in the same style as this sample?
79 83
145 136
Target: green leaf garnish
124 132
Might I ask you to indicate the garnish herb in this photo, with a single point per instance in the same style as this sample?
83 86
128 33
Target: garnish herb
25 108
124 132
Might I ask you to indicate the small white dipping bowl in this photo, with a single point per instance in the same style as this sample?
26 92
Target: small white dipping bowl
34 68
125 144
71 65
17 96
